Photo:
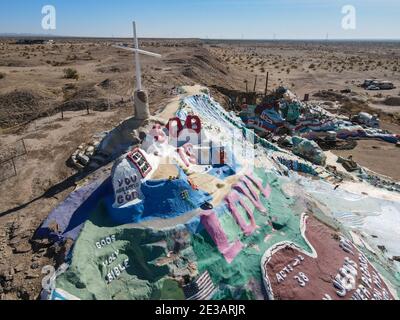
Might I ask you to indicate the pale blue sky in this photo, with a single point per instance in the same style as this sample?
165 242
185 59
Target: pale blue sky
250 19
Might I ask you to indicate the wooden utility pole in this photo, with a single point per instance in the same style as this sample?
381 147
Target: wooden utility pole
246 82
266 84
255 84
15 168
23 144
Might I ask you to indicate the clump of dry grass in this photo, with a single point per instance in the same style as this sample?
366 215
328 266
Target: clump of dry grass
72 57
71 73
392 101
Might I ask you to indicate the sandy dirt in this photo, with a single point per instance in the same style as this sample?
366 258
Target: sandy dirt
381 157
307 67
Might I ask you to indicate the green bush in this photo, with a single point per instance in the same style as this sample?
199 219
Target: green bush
71 73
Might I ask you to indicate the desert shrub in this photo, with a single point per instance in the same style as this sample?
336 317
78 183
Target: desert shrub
71 73
312 66
72 57
2 75
392 101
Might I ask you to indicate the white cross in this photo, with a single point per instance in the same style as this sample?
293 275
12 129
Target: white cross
137 60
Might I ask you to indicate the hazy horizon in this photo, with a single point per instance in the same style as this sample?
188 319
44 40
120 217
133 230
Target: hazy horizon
27 35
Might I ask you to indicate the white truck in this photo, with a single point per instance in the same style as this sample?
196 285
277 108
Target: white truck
366 119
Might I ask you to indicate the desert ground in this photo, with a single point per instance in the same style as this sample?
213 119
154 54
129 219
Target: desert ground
36 85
